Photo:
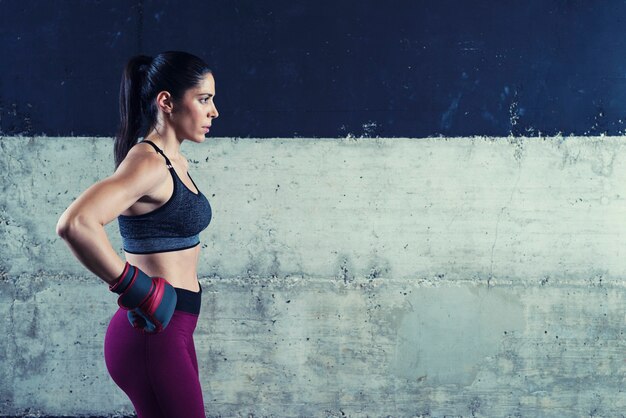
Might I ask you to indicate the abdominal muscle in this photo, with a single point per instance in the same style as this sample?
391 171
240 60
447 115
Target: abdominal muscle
177 267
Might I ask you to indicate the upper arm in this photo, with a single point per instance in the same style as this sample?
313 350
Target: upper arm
137 175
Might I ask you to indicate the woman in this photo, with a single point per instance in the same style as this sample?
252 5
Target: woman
148 348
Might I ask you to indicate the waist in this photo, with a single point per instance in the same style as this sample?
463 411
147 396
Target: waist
188 301
159 244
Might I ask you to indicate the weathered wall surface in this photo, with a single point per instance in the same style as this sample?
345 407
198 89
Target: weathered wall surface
359 277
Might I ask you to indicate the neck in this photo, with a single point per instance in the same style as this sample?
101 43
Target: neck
166 140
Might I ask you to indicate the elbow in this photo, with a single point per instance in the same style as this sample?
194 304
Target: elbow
67 226
63 228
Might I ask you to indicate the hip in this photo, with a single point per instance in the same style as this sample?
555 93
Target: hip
184 318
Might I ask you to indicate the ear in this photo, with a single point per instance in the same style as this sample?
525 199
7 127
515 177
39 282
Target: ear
165 102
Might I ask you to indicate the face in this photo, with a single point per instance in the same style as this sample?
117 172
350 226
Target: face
193 115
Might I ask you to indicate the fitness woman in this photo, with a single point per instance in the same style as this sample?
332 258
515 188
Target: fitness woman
148 347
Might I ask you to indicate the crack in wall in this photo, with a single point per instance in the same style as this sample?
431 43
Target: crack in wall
493 246
11 351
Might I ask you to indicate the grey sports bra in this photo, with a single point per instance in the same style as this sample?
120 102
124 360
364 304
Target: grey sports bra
173 226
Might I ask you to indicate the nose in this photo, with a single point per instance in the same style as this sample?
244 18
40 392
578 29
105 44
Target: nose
213 113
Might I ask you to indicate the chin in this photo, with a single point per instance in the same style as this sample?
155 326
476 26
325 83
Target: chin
198 138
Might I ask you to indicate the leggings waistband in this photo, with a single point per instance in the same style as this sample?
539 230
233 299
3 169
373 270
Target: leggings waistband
188 301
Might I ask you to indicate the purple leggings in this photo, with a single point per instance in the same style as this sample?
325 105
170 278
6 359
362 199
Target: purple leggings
159 372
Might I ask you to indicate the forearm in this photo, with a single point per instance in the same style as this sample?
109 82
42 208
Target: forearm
89 243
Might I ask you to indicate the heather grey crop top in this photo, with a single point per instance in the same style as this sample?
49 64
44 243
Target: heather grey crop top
175 225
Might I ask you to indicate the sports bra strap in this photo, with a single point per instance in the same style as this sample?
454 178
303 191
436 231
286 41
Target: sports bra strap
167 160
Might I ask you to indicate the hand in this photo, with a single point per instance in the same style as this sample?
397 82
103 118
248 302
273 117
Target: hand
150 301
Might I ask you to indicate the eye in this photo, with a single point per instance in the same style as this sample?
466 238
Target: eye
205 100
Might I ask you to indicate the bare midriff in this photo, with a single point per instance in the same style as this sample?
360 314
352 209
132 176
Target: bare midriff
177 267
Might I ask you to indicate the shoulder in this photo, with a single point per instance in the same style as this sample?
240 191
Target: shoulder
142 167
144 155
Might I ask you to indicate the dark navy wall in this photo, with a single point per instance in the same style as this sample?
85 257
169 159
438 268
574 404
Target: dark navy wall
288 68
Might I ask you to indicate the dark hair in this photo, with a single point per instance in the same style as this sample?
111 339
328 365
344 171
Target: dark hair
143 78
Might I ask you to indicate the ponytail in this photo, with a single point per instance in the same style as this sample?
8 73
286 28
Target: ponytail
131 106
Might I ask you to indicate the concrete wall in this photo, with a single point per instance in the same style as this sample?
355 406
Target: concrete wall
359 277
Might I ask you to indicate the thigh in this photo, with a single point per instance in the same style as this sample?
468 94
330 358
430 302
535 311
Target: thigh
173 368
